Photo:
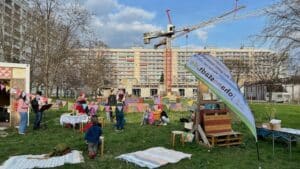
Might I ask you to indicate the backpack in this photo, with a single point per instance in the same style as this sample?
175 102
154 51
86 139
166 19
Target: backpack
35 105
112 100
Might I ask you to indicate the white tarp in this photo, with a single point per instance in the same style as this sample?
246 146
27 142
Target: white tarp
37 161
217 77
154 157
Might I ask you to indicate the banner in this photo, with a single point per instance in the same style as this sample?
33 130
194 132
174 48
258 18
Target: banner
217 77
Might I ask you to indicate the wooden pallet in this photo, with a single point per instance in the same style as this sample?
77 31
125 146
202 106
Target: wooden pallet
225 139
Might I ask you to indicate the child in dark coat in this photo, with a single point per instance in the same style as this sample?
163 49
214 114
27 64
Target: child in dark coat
92 137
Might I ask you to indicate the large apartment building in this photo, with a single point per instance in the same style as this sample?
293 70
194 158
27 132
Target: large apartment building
140 71
12 27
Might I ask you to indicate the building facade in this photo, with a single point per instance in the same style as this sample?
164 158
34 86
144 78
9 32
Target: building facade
140 71
12 28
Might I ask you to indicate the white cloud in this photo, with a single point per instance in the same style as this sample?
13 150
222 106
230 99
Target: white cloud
201 34
101 7
119 25
131 14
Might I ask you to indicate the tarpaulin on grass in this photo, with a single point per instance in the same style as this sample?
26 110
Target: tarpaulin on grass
39 161
217 77
154 157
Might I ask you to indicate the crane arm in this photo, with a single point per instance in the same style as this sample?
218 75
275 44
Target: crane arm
186 30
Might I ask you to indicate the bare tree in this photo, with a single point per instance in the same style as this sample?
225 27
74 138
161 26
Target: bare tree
52 35
283 30
267 69
239 68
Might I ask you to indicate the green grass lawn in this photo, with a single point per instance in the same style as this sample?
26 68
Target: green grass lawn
136 137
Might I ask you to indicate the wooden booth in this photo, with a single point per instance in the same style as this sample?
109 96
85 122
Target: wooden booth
13 77
216 123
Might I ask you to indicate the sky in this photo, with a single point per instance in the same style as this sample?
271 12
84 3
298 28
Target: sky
121 23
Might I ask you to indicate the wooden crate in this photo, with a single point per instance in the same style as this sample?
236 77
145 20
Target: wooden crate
225 139
216 121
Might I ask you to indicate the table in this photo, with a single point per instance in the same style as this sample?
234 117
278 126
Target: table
73 119
287 134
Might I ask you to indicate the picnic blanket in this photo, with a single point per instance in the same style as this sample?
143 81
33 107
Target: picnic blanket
154 157
36 161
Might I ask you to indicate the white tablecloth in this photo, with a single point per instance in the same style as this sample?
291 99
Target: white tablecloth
67 118
290 131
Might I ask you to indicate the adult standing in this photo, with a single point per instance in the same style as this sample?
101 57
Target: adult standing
23 105
81 103
36 104
112 99
120 116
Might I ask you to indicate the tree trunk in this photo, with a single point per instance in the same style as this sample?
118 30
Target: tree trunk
57 89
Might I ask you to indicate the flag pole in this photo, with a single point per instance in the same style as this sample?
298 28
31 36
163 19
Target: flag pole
257 152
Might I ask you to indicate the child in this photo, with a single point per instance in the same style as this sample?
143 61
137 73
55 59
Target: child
164 118
146 115
151 117
92 137
93 109
107 112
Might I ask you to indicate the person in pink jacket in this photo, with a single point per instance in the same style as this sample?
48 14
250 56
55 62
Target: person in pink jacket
23 105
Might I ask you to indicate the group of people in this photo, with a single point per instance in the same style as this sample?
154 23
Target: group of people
155 116
24 101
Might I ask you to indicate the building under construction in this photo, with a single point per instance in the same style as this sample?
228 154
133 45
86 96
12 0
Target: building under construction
140 71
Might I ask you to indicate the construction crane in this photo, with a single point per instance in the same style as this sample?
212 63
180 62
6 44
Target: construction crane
171 34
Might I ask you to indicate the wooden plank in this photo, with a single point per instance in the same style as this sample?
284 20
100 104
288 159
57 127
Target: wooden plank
217 122
203 136
217 131
230 144
217 127
225 134
220 117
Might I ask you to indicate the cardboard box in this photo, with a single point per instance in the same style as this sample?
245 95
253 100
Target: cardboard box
275 124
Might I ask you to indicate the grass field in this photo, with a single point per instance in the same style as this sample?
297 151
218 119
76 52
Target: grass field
136 137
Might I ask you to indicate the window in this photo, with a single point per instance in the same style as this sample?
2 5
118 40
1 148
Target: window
195 92
153 92
136 92
181 92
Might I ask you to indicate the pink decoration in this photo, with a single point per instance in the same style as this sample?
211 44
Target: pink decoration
2 86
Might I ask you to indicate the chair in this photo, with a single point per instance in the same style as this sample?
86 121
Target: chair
173 137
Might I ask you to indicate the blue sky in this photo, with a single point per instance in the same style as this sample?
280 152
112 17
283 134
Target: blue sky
121 23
